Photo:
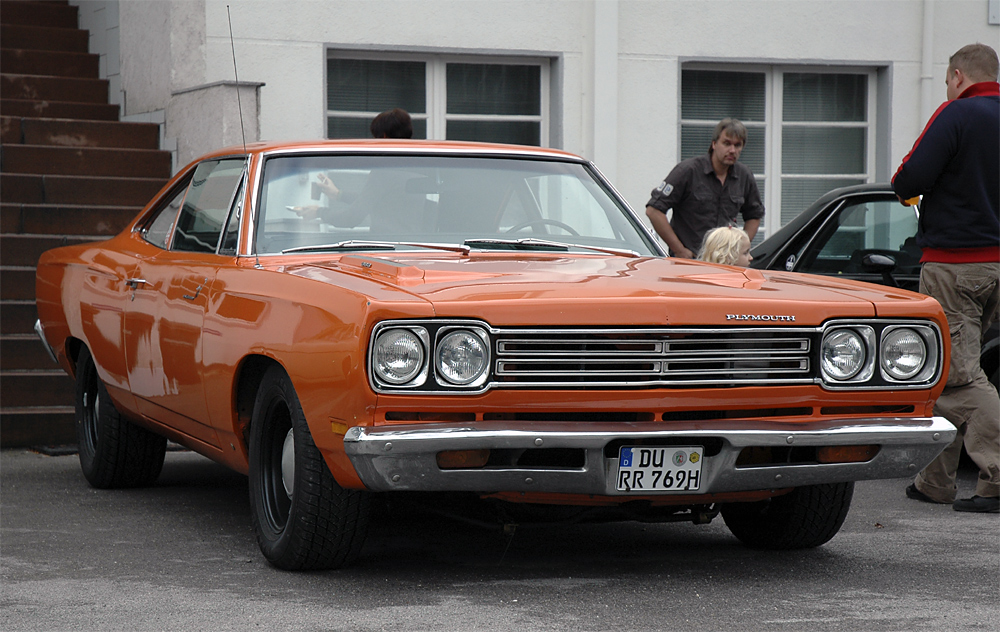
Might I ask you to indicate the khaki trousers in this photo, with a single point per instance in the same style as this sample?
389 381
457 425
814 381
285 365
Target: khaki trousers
968 292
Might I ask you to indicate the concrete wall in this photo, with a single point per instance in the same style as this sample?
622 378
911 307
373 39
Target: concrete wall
616 63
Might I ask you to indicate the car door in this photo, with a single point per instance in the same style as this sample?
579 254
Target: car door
859 227
165 318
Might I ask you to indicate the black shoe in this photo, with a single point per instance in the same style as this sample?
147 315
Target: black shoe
978 504
916 494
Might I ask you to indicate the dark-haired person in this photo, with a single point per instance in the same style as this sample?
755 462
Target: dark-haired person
394 123
706 192
955 166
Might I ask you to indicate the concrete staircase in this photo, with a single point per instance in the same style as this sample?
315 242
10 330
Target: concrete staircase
70 172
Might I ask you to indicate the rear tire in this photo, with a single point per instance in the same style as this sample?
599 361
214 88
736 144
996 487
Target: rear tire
114 452
303 519
804 518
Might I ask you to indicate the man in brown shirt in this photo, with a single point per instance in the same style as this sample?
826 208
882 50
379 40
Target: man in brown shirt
706 192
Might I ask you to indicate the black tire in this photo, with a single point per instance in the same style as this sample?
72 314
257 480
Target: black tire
318 525
114 452
804 518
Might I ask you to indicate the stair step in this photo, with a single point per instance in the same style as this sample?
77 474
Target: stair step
28 388
75 133
21 61
18 317
59 109
22 352
93 222
37 425
59 14
71 40
17 283
24 250
84 161
41 88
63 190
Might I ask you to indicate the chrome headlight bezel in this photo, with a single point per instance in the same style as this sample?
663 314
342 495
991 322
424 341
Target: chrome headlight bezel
931 354
416 377
864 336
442 347
878 333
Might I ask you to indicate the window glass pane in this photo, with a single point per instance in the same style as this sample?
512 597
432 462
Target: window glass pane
798 193
517 132
206 205
715 95
158 231
230 241
824 97
821 150
369 85
493 89
351 127
880 226
696 139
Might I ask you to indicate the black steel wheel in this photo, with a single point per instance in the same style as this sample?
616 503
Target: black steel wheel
804 518
113 451
303 519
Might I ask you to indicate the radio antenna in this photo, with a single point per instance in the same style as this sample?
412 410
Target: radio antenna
239 104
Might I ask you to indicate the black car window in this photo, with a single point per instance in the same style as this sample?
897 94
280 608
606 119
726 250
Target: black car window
871 227
206 206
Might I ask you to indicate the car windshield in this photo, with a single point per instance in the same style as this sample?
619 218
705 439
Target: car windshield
406 202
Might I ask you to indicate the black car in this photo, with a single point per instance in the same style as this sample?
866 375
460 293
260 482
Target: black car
859 232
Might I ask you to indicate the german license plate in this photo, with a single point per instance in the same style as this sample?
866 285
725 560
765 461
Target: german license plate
659 468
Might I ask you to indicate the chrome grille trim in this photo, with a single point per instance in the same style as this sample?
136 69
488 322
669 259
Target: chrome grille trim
660 357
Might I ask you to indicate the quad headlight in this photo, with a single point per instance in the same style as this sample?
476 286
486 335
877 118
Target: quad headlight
847 353
399 356
429 356
906 354
462 356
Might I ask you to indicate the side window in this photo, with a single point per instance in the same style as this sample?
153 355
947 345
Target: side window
881 226
230 241
157 232
207 205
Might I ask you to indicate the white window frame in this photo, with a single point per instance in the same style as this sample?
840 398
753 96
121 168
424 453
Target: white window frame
774 125
436 78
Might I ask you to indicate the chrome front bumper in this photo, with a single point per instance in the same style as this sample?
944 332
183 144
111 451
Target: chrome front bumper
398 458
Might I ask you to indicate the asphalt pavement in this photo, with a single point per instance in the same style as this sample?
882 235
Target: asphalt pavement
181 555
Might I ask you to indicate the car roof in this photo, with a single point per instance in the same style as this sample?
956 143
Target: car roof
383 145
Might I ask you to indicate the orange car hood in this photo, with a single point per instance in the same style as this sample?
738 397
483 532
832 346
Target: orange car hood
601 290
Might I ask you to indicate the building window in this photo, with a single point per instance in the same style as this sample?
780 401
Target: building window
809 130
449 97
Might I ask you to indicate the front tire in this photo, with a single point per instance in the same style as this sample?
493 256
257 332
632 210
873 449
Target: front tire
804 518
303 519
114 452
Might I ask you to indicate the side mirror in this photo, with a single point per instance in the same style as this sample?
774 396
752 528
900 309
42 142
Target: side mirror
878 263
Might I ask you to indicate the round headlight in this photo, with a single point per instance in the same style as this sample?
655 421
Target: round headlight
904 353
461 357
843 354
398 356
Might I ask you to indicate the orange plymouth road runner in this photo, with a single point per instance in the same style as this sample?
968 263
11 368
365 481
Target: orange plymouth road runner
344 319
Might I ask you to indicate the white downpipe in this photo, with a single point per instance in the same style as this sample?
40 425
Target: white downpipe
927 102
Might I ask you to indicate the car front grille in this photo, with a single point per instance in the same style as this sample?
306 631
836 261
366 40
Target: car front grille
663 357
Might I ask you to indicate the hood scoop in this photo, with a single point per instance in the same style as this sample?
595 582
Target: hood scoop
386 269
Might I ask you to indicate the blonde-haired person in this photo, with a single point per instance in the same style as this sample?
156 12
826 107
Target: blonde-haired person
728 245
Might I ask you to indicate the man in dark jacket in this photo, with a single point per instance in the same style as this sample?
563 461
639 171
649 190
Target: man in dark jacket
955 166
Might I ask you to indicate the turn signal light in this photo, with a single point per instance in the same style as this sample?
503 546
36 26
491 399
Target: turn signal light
846 453
462 459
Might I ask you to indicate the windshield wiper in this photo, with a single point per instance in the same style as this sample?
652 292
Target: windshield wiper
543 244
361 244
528 243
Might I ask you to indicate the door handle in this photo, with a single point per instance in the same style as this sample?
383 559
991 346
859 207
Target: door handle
134 283
197 291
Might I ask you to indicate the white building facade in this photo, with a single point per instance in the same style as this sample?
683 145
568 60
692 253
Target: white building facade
833 92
